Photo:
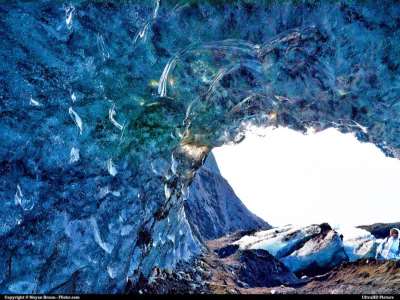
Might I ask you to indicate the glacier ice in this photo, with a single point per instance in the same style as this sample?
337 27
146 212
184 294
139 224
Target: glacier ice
74 155
77 119
180 79
358 243
300 248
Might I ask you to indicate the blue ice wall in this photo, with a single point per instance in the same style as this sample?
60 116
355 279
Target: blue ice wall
108 108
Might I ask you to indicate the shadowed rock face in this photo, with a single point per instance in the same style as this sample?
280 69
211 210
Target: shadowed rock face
213 208
259 268
107 111
380 230
247 267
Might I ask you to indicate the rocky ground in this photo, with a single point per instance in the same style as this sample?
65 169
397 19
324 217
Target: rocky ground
361 277
224 269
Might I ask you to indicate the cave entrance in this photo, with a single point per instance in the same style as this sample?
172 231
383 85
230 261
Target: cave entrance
287 177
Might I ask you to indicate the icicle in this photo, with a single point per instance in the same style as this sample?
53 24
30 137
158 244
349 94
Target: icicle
111 168
111 115
74 155
33 102
77 119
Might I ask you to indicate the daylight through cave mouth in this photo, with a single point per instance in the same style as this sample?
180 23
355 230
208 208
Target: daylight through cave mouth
108 110
287 177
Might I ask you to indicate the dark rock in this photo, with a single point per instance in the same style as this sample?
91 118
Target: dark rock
213 207
226 251
261 269
380 230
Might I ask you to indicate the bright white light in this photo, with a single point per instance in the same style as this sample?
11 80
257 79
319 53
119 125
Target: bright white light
286 177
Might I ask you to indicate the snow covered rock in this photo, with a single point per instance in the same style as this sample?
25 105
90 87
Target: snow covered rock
358 243
307 250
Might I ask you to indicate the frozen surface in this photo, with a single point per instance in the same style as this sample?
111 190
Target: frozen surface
319 253
300 248
313 246
279 241
358 243
107 110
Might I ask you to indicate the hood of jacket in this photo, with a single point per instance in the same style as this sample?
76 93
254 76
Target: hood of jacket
398 231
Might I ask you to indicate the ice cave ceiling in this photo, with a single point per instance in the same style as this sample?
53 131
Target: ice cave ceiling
108 109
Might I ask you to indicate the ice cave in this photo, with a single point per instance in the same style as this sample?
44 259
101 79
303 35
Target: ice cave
108 109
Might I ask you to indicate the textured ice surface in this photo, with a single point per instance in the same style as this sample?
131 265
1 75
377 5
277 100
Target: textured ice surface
358 243
300 248
279 241
317 253
108 109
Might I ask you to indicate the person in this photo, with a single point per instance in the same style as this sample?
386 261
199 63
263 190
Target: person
389 248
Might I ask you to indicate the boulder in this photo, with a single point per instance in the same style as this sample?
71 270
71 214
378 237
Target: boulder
304 250
259 268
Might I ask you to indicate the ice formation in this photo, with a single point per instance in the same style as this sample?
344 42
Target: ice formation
134 83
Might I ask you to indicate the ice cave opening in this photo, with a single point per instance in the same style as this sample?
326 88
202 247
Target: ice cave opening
287 177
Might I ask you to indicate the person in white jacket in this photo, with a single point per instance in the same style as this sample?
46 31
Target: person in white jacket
389 248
